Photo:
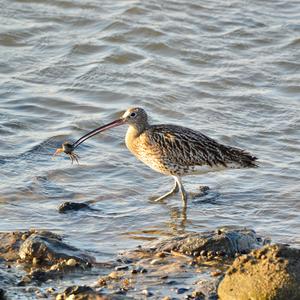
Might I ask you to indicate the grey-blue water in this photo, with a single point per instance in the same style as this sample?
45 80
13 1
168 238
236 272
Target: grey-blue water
230 69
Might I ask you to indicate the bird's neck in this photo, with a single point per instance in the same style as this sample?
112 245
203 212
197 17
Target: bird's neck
133 132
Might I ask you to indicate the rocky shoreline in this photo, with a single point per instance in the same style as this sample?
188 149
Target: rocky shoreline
224 264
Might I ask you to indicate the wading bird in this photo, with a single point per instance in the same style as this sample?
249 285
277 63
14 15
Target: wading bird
171 150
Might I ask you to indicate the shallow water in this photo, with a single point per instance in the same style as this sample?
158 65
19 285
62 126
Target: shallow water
227 68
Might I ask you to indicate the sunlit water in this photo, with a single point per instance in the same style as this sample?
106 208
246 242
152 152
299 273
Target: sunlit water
229 69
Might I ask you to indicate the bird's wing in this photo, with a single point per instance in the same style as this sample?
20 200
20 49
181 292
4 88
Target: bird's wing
188 147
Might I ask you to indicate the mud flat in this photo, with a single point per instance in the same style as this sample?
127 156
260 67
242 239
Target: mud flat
223 264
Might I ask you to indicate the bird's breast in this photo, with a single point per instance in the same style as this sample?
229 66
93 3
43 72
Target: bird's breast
145 150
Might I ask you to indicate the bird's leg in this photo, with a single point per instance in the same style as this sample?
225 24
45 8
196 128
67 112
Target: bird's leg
182 191
173 191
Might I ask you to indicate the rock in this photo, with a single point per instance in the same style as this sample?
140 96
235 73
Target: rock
49 249
115 275
271 273
80 293
120 268
71 262
10 243
180 291
216 273
2 294
147 293
225 241
197 295
50 290
72 206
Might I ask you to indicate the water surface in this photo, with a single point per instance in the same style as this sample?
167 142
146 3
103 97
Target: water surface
227 68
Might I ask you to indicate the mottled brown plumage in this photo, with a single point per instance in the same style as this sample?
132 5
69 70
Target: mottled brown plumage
175 150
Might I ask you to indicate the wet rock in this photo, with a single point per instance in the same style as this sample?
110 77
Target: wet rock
197 295
72 206
2 294
180 291
10 243
49 249
42 254
120 268
225 241
79 293
147 293
272 272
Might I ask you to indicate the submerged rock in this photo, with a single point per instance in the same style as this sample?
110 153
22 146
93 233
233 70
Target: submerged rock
72 206
270 273
222 242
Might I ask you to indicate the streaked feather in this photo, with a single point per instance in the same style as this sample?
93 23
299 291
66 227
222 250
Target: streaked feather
178 150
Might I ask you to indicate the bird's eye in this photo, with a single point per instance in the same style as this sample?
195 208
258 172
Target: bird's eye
133 114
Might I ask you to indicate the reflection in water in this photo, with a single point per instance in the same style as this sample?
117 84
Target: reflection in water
178 219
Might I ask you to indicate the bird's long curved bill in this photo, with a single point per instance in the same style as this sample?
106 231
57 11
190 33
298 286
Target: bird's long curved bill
115 123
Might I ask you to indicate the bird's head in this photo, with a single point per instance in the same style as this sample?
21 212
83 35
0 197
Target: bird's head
135 117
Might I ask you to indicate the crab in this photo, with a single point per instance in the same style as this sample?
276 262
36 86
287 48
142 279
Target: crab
68 148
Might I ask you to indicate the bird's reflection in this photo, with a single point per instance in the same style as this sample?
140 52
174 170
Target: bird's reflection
178 219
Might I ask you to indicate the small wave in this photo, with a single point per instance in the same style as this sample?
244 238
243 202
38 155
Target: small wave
124 58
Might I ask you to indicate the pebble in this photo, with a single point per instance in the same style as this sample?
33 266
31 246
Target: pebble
54 267
139 269
24 236
143 271
198 295
216 273
120 268
71 262
180 291
114 275
34 261
50 290
102 281
147 293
